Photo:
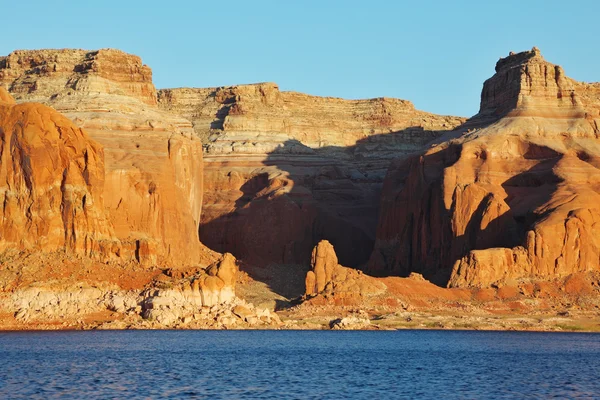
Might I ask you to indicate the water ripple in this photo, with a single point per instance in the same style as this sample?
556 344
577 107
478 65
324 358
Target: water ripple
298 364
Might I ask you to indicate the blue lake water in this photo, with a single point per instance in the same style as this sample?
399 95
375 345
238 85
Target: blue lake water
299 364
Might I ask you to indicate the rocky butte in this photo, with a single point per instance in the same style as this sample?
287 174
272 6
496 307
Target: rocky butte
516 198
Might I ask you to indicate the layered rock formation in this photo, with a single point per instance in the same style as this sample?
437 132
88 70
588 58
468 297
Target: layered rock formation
509 194
40 74
51 184
153 160
517 198
204 288
284 170
38 287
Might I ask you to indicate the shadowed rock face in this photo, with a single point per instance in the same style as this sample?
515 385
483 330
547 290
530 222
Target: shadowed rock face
284 170
51 184
153 160
516 198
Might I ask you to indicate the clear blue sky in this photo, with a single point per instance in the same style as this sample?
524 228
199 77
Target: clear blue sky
434 53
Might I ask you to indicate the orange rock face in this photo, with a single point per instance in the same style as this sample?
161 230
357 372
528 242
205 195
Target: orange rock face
516 197
40 74
328 277
153 160
5 97
51 184
324 261
219 285
284 170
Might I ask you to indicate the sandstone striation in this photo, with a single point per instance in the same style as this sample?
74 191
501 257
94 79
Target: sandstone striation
516 198
504 208
153 160
284 170
40 74
525 84
188 290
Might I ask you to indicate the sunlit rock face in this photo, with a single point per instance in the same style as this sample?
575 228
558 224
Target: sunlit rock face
284 170
339 284
51 184
153 160
516 197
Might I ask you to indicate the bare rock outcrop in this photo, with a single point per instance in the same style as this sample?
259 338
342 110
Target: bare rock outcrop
41 74
208 287
515 198
51 184
153 160
328 277
178 298
219 285
324 262
284 170
525 84
39 303
5 97
357 321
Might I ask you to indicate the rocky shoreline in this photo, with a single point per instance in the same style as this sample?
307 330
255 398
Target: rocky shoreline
349 300
242 316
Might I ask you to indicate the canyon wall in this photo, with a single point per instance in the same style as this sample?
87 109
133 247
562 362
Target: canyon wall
510 194
284 170
153 160
51 184
516 198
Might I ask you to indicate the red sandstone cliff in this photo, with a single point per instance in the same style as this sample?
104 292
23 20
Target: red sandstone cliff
513 199
511 194
284 170
153 160
51 184
516 198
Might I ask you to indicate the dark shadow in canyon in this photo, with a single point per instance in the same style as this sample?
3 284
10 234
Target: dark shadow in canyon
303 195
529 190
299 196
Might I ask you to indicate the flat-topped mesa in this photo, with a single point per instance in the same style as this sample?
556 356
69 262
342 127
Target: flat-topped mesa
47 72
153 160
87 85
284 170
258 109
525 84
